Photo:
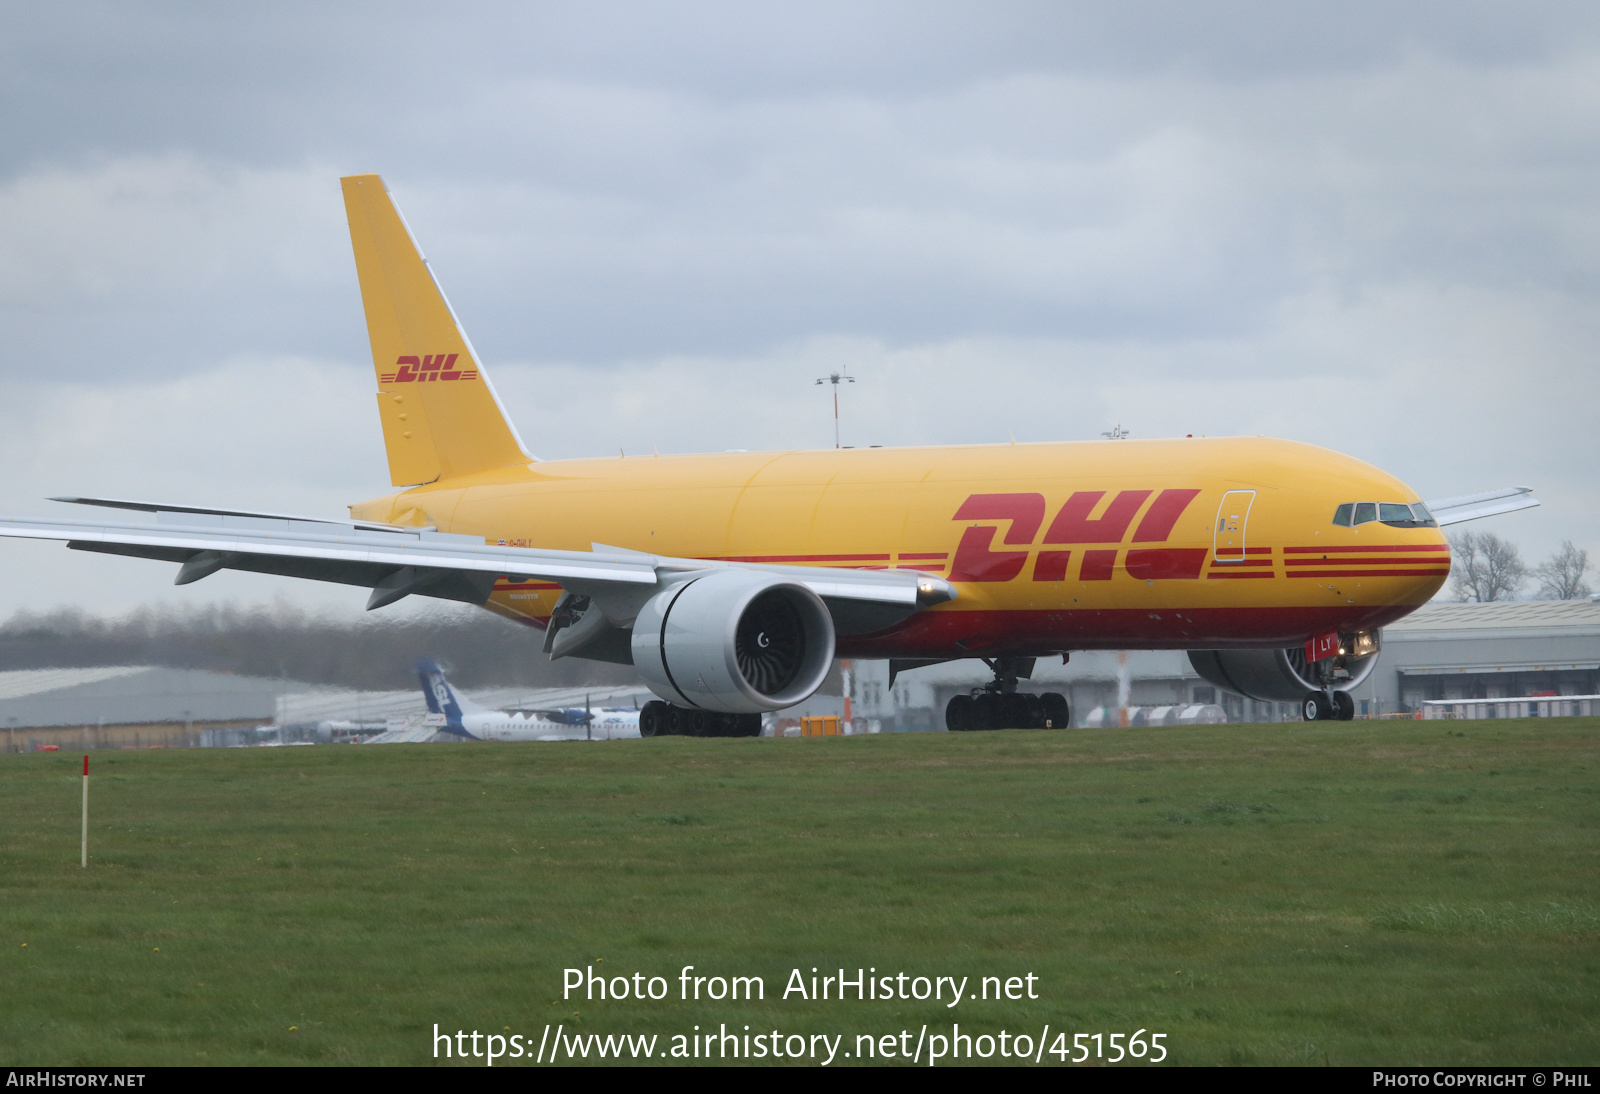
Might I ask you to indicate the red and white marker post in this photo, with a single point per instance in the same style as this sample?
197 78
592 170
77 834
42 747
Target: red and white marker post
85 846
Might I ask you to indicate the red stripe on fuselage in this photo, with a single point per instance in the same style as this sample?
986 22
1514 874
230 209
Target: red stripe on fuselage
1368 573
1165 563
1389 547
798 558
1347 560
1035 633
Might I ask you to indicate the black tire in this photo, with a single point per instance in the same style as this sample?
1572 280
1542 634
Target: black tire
699 723
1344 706
1057 715
959 714
1035 711
984 715
654 719
747 725
1011 712
1316 707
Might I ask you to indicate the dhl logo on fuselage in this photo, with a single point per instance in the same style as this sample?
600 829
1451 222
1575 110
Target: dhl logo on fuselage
975 560
433 366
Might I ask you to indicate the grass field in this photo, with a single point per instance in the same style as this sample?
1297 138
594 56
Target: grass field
1346 893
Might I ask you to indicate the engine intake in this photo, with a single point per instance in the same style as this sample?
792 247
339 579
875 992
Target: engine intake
1284 676
735 641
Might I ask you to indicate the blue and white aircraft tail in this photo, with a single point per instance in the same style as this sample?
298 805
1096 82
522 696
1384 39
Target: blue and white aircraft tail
452 712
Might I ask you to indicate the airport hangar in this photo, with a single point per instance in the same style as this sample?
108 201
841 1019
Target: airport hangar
142 706
1444 651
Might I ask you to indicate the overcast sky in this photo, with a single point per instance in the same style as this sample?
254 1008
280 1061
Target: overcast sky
1367 226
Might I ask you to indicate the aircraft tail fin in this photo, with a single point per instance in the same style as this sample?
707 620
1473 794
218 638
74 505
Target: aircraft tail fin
443 699
441 418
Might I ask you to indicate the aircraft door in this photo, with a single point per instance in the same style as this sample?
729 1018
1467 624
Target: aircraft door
1233 516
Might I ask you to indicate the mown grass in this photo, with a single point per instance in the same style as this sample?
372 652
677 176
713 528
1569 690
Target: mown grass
1356 893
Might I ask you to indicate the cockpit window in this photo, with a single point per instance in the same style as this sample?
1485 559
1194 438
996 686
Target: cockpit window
1394 514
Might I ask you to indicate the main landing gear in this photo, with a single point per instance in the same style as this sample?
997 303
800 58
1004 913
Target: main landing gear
1328 706
999 705
658 719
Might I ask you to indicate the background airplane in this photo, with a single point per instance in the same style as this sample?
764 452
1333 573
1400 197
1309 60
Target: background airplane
454 713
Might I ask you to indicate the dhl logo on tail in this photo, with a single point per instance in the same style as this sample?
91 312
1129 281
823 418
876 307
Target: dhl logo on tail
432 366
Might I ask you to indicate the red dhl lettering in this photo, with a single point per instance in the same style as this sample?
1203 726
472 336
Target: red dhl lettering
433 366
976 561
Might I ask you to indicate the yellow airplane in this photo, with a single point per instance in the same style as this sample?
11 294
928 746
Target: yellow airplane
732 581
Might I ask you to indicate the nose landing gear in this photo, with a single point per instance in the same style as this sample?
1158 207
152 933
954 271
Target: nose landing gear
1328 706
999 705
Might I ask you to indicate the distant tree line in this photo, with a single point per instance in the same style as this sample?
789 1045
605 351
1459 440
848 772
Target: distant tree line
1485 567
480 649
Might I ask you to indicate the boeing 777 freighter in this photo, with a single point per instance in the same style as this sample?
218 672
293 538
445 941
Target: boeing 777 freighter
731 581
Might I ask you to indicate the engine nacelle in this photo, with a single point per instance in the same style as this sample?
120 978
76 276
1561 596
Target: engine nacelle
1284 676
735 641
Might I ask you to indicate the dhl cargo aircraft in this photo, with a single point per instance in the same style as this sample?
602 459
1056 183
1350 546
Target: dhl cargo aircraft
732 581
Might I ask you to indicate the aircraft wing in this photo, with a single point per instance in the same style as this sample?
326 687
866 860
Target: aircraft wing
396 561
1490 503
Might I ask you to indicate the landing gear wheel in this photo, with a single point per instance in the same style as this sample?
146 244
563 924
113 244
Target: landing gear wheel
1344 706
960 713
1057 715
1316 707
1013 712
655 719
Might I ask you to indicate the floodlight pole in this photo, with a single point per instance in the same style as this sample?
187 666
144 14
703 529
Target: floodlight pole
836 378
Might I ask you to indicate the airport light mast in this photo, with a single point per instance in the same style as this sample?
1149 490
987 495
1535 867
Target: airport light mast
836 378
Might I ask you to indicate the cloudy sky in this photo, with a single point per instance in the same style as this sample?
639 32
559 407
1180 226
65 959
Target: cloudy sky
1368 226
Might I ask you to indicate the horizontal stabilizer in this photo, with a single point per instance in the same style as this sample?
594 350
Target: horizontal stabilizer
162 507
1490 503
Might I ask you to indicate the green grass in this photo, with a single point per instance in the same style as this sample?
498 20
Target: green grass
1355 893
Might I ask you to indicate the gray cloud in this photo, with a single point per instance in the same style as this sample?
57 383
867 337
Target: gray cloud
1370 227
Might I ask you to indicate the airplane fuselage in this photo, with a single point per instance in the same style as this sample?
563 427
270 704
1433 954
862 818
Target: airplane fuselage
1190 543
497 726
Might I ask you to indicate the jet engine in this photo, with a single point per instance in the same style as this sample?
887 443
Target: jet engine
1285 676
734 641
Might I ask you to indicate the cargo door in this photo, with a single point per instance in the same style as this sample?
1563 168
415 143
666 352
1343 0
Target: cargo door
1233 517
